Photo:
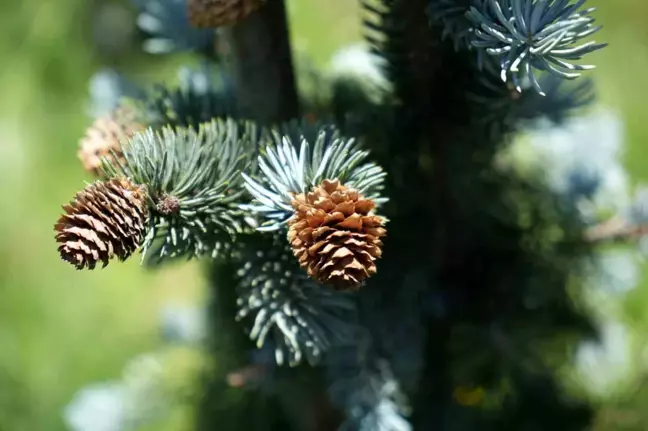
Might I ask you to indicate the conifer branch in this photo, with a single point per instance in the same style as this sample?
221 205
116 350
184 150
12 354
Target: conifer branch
282 305
194 185
451 16
502 105
362 385
285 170
202 95
531 36
398 32
615 229
627 226
470 247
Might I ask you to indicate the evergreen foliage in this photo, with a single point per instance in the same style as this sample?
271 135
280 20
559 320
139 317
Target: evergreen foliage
201 172
202 94
283 305
166 23
287 171
529 36
474 295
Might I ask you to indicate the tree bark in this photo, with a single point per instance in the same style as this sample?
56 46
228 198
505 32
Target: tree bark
258 52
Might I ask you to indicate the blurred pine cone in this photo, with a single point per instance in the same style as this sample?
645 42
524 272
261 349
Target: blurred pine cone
104 135
106 219
335 235
217 13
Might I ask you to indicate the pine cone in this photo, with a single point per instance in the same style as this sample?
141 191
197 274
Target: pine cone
335 235
217 13
106 219
104 136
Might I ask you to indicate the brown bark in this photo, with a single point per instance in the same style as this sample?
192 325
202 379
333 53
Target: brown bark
259 54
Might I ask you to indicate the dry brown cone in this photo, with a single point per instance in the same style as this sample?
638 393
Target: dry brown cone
335 235
103 137
104 220
218 13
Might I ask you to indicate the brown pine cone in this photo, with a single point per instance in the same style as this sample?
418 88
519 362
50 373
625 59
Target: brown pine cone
103 137
335 235
217 13
106 219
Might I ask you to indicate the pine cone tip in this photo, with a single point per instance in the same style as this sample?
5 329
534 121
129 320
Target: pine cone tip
104 220
335 235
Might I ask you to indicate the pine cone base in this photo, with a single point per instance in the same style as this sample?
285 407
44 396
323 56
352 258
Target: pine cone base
217 13
104 220
335 235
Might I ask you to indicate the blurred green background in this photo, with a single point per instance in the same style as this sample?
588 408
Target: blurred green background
61 329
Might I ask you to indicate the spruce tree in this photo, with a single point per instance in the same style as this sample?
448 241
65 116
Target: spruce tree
373 263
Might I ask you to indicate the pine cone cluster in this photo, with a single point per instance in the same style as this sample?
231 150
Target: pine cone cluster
335 235
217 13
104 220
103 138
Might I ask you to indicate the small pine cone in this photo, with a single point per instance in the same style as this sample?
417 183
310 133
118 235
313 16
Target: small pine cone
335 235
217 13
106 219
103 137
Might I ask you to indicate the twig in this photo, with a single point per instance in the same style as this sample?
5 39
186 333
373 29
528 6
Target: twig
615 229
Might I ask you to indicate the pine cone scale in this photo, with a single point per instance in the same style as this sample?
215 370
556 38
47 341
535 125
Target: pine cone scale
130 217
106 217
79 249
91 223
115 230
346 208
315 248
124 201
341 253
324 234
334 235
84 239
87 235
